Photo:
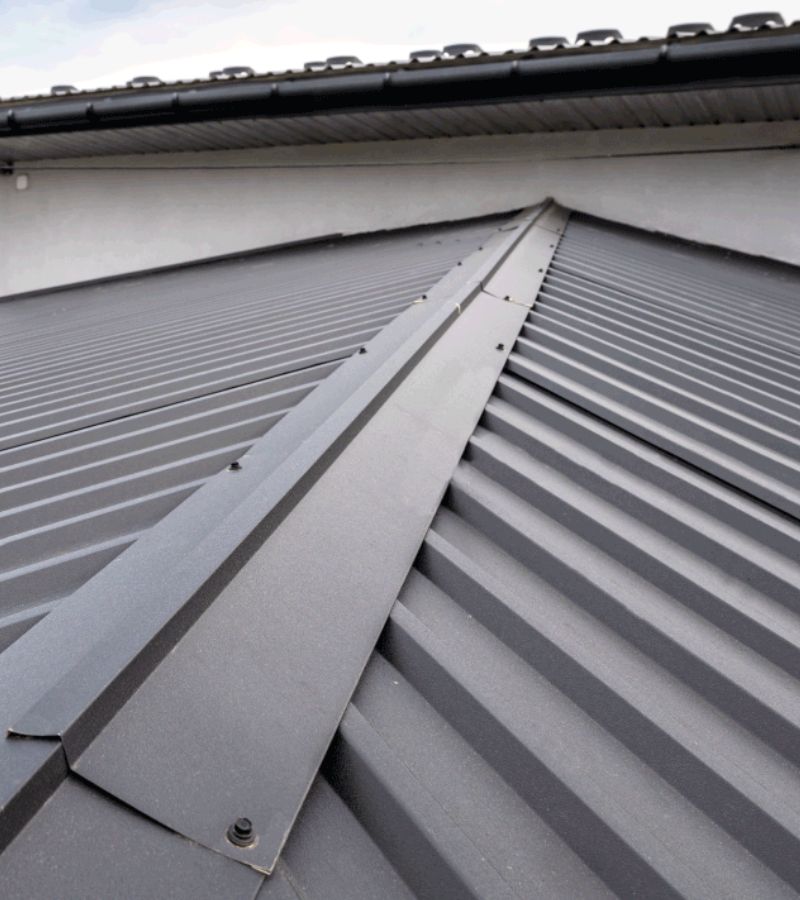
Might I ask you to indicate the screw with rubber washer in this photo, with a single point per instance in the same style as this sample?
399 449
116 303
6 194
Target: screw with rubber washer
241 833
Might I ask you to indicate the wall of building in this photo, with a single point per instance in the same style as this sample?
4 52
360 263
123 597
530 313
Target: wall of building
732 186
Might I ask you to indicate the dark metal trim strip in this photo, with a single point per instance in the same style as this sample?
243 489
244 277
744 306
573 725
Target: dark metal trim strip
664 65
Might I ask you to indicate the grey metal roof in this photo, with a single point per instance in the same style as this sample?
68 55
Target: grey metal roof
118 400
122 630
694 353
692 76
588 684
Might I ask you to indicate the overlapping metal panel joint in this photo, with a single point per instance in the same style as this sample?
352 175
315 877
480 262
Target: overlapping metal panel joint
589 683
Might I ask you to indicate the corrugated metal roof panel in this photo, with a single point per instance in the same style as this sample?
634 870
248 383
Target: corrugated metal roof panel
589 683
683 348
120 399
104 850
588 686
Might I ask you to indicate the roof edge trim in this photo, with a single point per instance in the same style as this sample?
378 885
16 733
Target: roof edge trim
666 65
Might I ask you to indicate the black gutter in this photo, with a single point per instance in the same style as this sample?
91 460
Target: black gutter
732 61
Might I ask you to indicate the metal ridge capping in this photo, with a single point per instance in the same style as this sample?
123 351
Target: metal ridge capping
669 63
71 674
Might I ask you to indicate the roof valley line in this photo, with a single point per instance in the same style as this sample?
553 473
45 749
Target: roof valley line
406 407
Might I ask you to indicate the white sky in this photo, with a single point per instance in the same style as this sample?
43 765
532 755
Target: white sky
97 43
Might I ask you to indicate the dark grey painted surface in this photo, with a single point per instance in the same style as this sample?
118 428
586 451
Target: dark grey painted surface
294 613
590 680
751 46
694 352
746 74
118 400
588 686
301 624
81 846
772 102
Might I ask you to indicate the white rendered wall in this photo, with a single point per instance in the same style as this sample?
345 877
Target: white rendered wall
84 219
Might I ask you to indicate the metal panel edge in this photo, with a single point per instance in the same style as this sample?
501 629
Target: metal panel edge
302 617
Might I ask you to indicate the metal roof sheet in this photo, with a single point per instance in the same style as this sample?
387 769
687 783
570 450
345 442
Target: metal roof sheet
106 851
588 685
695 354
118 400
123 622
301 624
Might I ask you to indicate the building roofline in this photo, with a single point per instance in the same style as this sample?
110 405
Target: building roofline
670 64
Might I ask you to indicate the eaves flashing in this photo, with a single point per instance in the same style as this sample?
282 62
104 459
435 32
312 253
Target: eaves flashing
666 65
118 635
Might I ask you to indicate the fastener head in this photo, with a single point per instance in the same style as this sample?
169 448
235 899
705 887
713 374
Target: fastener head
500 347
235 466
241 833
362 349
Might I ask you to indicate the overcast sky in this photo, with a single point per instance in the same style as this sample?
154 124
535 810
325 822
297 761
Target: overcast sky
96 43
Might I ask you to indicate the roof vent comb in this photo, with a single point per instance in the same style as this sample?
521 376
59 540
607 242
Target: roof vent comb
338 62
547 43
462 50
424 55
141 81
754 21
598 36
690 29
232 72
